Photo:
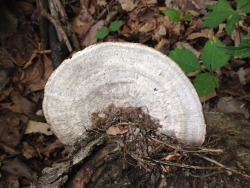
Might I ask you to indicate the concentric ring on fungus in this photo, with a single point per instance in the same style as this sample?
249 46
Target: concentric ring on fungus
122 74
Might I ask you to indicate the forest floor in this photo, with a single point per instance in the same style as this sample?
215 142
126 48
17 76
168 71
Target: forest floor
35 39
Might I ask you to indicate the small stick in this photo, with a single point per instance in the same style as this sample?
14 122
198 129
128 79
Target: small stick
205 150
171 146
207 175
223 166
185 166
59 29
201 150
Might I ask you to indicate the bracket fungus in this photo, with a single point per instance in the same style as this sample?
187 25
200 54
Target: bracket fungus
122 74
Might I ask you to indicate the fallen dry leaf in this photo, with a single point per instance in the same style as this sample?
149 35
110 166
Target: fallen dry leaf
237 36
171 27
172 157
115 130
36 75
150 2
25 8
159 33
230 83
90 38
188 46
244 27
84 3
12 128
101 3
38 127
28 106
244 75
205 33
82 23
170 4
9 150
5 93
46 151
139 18
17 167
15 104
229 105
4 79
29 151
148 26
129 5
163 46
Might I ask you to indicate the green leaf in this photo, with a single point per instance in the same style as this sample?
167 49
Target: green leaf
221 5
243 6
185 59
213 58
247 37
188 17
102 33
205 84
220 12
243 50
235 18
173 14
114 26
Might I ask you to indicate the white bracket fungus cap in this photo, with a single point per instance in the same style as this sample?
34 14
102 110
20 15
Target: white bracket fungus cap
123 74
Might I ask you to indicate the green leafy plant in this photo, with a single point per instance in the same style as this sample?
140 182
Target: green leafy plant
104 31
222 11
176 15
212 58
243 50
173 14
205 83
185 59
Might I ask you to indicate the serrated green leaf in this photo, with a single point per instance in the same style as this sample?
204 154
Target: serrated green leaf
213 58
235 18
102 33
220 12
243 6
221 5
185 59
213 19
205 84
173 14
114 26
243 50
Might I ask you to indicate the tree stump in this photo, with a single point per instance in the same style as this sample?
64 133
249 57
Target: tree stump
102 160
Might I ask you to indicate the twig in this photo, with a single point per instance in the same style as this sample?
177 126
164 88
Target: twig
171 146
207 175
224 167
58 28
200 150
59 8
185 165
205 150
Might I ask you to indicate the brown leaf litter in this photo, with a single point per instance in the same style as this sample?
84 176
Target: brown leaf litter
25 65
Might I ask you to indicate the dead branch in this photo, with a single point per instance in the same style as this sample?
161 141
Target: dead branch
57 25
